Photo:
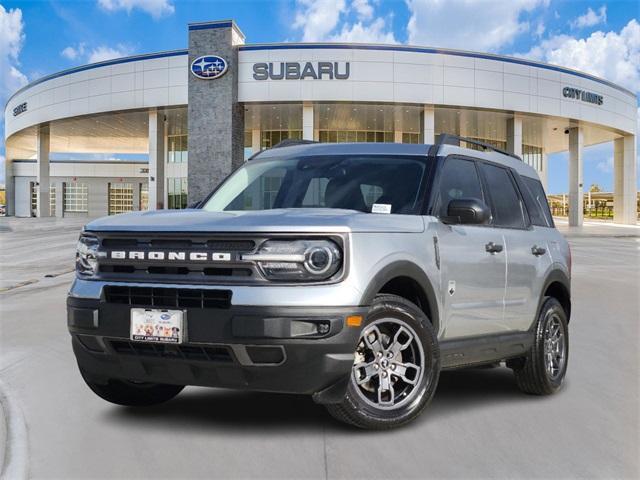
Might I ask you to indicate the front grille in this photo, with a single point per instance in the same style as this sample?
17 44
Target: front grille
167 297
223 245
220 354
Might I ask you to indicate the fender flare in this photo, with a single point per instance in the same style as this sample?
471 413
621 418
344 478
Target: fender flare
403 268
559 276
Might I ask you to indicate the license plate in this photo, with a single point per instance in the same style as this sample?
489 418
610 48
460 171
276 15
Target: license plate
156 325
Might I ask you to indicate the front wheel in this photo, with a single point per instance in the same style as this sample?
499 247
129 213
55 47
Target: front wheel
396 367
543 370
132 394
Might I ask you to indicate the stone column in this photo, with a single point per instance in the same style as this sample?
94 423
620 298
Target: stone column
576 190
216 119
157 179
307 121
625 177
42 171
428 124
514 135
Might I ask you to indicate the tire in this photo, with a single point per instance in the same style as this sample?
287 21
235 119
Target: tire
130 394
533 373
409 361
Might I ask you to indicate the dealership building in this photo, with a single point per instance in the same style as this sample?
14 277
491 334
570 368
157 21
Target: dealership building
161 130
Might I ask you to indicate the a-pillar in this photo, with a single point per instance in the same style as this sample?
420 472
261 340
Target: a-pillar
428 125
156 160
514 135
307 121
43 180
625 173
576 190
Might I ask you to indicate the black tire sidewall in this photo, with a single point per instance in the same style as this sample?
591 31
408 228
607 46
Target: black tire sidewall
551 306
389 306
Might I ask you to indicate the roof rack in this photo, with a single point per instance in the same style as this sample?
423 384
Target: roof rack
292 141
450 139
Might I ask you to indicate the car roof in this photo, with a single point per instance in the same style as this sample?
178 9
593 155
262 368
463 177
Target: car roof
406 149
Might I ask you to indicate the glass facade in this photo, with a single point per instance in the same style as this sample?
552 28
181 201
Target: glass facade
532 156
176 193
177 149
76 197
269 138
34 199
120 198
342 136
144 196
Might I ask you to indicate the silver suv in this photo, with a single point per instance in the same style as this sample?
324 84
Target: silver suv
354 273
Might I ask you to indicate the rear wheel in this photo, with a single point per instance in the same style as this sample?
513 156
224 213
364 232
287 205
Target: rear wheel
396 367
543 370
132 394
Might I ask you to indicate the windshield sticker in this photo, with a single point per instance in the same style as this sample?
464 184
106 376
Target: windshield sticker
381 208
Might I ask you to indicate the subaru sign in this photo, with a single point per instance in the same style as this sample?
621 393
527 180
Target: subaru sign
209 67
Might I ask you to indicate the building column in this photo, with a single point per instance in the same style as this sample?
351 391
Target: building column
397 136
514 135
10 187
625 177
156 160
256 144
544 172
307 121
428 124
576 190
43 180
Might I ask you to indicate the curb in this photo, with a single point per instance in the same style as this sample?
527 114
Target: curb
14 464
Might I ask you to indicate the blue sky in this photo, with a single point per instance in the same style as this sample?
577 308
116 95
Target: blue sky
603 38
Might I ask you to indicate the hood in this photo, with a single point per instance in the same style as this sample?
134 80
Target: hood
277 220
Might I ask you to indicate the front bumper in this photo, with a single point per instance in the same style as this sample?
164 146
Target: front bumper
240 347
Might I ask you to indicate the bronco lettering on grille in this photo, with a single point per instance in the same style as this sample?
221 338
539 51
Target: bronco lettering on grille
170 256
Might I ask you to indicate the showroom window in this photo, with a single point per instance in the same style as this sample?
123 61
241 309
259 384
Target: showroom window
269 138
144 196
120 198
532 156
76 197
177 148
176 193
411 137
350 136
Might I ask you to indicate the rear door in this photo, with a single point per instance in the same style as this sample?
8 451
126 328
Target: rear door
472 279
511 219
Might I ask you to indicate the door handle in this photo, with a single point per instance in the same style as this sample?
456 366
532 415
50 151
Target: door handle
537 251
493 247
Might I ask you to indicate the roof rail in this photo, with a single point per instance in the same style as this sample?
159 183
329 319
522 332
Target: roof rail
450 139
292 141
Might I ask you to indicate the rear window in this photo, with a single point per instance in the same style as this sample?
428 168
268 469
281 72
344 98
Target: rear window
536 202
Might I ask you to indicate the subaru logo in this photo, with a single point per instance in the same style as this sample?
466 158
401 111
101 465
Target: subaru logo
209 67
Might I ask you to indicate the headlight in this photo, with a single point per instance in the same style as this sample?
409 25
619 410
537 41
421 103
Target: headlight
301 260
87 255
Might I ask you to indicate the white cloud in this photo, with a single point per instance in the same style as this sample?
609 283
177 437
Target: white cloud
359 33
11 40
318 18
156 8
605 166
611 55
102 53
73 52
363 8
590 18
336 20
485 25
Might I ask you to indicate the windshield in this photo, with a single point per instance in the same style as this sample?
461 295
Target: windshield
363 183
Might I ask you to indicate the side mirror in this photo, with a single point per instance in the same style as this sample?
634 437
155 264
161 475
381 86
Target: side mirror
469 211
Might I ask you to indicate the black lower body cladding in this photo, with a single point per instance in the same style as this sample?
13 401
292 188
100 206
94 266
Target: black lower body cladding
251 348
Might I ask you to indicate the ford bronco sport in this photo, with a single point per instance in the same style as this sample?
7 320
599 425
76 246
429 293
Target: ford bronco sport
354 273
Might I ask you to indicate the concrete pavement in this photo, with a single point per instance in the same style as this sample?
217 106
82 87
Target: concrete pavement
479 424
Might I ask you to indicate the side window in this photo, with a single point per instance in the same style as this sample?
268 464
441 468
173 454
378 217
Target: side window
507 207
539 208
459 179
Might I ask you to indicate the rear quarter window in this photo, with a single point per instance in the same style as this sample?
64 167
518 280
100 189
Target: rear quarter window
536 202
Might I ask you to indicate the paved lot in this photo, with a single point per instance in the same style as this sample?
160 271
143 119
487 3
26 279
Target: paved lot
479 425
